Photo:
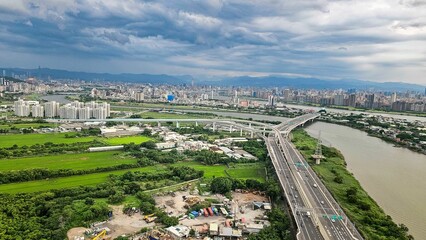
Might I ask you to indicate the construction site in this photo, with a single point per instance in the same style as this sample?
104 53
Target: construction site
200 217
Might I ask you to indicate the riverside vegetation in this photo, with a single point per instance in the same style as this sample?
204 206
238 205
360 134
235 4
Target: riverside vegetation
370 219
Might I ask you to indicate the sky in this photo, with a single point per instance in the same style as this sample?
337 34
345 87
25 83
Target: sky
376 40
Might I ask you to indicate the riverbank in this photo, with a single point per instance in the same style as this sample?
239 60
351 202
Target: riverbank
370 219
363 110
405 143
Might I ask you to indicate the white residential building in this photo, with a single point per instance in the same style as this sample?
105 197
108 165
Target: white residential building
139 96
37 111
23 108
84 113
51 109
74 110
99 113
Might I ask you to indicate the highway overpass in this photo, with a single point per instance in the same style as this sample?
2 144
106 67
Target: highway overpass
233 124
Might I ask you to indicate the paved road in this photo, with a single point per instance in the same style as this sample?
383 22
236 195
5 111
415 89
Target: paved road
317 214
307 228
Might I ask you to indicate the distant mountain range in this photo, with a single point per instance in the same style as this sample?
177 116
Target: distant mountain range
269 81
315 83
45 73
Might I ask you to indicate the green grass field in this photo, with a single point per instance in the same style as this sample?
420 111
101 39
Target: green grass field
209 171
127 140
248 172
66 182
8 140
26 125
240 171
68 161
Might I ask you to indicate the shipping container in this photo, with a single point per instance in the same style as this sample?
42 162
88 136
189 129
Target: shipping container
195 213
210 211
215 211
206 213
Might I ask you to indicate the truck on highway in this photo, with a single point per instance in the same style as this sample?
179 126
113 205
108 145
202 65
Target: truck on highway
308 214
315 185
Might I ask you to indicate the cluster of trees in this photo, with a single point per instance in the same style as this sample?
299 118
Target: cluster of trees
6 122
224 185
48 215
147 206
182 173
337 177
351 195
43 173
282 113
208 157
279 228
382 224
211 158
48 148
157 156
85 132
256 148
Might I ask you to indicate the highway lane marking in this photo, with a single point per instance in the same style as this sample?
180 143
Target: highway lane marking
297 154
289 148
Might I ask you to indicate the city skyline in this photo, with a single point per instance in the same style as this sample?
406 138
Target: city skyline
368 40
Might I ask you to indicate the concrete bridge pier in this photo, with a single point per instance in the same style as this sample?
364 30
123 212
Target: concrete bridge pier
196 124
214 126
230 129
251 134
241 132
158 124
177 124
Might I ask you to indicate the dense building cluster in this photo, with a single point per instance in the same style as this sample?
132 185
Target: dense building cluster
358 99
210 95
74 110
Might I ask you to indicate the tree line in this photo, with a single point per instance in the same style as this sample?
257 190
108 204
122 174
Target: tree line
47 148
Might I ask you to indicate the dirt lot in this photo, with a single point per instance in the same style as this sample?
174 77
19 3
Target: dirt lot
74 233
248 197
241 205
121 223
174 205
241 201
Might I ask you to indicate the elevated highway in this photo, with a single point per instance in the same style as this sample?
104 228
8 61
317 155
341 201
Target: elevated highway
317 214
253 127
